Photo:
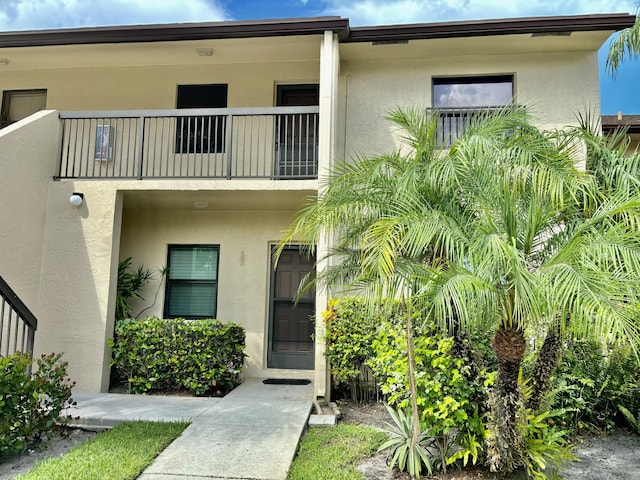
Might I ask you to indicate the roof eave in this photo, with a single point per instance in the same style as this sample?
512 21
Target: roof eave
176 32
478 28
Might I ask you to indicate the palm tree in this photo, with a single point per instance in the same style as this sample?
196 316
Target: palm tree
501 230
626 44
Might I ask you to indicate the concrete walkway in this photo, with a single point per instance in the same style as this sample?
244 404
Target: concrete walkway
252 433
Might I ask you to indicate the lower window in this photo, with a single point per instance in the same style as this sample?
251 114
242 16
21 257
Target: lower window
192 281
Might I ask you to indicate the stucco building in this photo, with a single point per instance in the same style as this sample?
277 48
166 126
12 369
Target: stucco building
119 118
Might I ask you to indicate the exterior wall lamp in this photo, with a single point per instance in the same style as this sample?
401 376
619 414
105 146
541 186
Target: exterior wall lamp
76 199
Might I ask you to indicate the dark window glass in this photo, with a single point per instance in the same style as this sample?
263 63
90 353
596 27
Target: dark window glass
192 282
297 137
201 134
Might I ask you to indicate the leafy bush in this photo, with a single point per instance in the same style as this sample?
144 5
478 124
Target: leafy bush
350 331
593 382
201 356
450 398
30 403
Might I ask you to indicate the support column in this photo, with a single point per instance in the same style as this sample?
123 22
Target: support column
329 69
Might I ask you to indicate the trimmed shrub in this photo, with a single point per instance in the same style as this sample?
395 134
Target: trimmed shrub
30 403
201 356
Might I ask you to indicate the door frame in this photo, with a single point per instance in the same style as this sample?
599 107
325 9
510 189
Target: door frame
280 361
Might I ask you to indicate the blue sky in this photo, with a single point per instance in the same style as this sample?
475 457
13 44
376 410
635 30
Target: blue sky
618 94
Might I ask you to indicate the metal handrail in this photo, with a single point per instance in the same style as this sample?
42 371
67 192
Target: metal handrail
265 142
12 337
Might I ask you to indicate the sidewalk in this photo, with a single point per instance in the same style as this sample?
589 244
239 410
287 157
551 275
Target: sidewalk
252 433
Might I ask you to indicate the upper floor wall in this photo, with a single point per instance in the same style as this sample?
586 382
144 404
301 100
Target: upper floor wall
141 76
551 63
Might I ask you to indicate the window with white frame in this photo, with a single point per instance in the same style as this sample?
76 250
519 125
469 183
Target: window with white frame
458 99
192 281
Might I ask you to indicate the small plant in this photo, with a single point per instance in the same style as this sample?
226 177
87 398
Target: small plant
30 403
130 284
545 443
634 422
402 450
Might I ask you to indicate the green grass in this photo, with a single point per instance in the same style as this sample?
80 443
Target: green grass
332 453
118 454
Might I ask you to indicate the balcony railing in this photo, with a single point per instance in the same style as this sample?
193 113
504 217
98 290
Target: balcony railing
17 324
452 123
271 142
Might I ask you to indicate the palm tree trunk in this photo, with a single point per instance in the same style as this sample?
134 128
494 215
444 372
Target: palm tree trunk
413 389
545 366
505 445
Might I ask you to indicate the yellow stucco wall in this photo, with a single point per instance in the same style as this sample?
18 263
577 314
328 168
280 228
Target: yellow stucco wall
155 87
28 158
244 238
554 85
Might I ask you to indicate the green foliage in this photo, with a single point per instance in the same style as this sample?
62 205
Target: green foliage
625 45
408 457
30 403
201 356
545 444
350 330
334 453
130 284
448 395
349 334
592 382
634 421
121 453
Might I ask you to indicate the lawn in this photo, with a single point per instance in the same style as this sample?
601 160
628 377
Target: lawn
333 453
118 454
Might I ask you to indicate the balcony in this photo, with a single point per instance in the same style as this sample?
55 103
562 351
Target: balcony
277 143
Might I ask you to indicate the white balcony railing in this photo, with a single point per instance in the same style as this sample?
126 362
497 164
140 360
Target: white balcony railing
270 142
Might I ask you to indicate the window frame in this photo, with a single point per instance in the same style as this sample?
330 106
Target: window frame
7 96
470 80
169 282
454 120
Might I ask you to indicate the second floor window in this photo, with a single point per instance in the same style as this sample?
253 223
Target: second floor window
19 104
202 133
458 99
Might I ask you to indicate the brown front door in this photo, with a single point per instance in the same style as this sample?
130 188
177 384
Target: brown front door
291 325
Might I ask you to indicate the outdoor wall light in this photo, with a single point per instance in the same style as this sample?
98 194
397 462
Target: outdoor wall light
76 199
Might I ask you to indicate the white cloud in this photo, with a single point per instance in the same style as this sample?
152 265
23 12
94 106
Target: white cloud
377 12
37 14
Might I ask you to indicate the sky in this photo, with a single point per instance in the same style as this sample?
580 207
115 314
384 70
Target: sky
617 94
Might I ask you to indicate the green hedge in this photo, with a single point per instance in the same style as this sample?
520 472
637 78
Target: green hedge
30 403
202 356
